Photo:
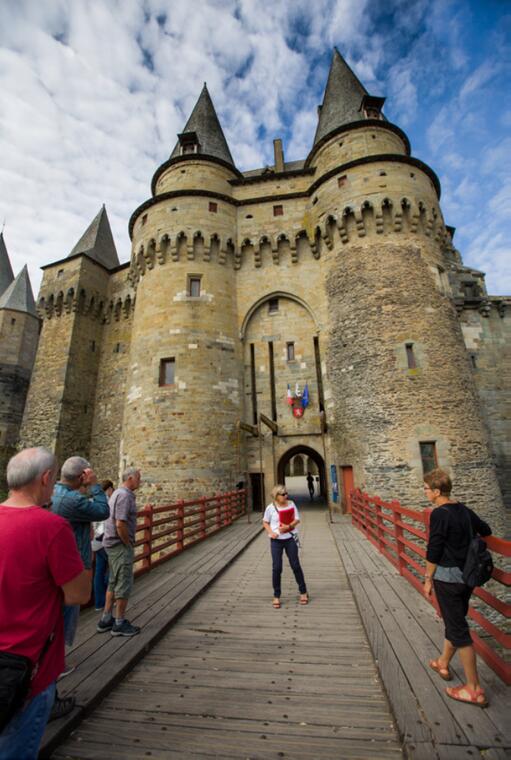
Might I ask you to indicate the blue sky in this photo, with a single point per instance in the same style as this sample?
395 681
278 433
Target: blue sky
93 92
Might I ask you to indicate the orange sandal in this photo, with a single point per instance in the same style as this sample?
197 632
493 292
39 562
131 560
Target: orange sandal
444 673
462 693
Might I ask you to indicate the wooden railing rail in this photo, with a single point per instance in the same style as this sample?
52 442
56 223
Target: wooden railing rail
401 535
168 529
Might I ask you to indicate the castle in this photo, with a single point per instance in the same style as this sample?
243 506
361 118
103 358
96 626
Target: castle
313 307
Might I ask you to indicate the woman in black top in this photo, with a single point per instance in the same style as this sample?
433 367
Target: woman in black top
451 528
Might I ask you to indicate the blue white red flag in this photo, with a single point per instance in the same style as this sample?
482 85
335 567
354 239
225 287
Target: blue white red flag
305 396
289 395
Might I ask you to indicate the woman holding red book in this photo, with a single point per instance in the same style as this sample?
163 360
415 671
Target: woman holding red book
280 520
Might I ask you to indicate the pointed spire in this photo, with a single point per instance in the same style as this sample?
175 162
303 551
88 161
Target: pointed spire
342 100
19 296
204 125
97 241
6 273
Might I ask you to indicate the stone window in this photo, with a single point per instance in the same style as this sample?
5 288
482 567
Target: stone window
167 371
117 348
473 361
144 220
290 351
194 283
410 356
341 181
13 320
213 207
428 456
93 345
273 305
278 210
60 273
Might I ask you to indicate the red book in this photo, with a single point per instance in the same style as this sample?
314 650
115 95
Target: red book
286 515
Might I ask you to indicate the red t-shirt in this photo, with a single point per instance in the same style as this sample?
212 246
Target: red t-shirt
38 555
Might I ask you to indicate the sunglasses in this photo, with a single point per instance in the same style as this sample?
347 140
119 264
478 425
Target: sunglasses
282 493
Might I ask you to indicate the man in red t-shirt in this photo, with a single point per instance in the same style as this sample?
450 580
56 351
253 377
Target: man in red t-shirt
40 569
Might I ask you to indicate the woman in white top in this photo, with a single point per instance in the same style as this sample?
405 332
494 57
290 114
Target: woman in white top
283 539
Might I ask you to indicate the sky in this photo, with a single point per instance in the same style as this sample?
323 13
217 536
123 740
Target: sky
93 93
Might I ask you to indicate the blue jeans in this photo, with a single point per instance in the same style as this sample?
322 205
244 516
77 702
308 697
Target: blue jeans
100 578
22 736
71 615
288 545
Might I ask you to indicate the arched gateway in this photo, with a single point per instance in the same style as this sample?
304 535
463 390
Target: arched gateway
312 454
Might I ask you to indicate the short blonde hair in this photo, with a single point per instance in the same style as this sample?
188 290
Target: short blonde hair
439 480
278 489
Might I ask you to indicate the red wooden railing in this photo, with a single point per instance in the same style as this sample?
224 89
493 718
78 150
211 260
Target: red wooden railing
166 530
401 535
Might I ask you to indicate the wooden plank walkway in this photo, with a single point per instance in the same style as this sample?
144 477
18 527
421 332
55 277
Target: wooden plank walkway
159 598
405 633
234 678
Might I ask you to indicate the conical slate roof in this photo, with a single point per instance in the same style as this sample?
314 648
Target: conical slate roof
204 122
6 273
18 295
97 242
342 99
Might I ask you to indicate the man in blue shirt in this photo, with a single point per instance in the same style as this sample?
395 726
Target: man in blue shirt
80 510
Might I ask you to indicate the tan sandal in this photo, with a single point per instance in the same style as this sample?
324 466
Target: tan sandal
304 599
276 604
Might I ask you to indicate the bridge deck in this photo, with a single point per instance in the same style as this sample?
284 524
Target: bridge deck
235 678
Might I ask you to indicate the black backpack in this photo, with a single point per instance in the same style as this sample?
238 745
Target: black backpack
478 566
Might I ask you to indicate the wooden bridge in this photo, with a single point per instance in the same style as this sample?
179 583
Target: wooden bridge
218 673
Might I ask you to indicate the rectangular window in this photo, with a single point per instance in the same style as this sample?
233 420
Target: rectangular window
473 361
428 456
93 345
410 356
278 211
144 220
213 207
273 305
117 348
319 379
194 286
290 352
13 320
167 371
341 181
60 273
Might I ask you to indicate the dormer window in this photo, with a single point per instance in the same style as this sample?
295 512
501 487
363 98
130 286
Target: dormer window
188 143
371 107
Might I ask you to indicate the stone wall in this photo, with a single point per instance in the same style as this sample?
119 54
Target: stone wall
488 340
381 409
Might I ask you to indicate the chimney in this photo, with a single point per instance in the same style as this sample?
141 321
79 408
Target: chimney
279 155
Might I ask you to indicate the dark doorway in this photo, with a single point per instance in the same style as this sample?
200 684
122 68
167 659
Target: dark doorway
312 454
257 487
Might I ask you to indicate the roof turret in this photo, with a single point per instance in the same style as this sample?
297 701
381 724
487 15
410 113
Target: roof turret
97 242
19 296
6 273
344 99
203 132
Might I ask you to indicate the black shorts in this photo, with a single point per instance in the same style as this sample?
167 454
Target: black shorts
453 599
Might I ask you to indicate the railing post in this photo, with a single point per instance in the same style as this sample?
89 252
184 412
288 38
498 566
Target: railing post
218 510
148 537
365 526
379 523
180 525
398 533
203 501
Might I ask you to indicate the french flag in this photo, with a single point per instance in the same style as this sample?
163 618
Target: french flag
289 396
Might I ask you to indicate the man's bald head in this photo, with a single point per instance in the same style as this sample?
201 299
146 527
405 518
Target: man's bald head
28 466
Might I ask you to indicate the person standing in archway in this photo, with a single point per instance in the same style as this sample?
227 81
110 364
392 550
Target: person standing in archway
280 521
310 485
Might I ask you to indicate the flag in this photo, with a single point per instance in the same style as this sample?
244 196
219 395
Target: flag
305 396
289 396
298 392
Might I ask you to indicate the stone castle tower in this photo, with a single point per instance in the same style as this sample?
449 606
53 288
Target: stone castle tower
19 333
336 272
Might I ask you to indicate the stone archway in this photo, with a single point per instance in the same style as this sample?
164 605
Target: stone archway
311 454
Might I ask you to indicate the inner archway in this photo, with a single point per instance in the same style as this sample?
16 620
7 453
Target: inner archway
310 455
